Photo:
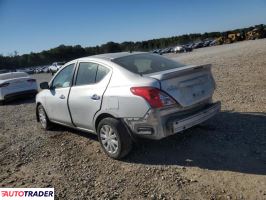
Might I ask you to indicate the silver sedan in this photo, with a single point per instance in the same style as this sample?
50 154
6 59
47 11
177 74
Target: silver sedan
121 96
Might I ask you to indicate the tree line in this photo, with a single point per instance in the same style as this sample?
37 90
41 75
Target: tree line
67 53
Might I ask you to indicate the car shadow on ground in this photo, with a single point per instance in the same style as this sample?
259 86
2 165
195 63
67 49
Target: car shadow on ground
230 141
58 129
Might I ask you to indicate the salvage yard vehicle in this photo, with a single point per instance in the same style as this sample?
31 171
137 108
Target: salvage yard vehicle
122 96
179 49
16 84
55 67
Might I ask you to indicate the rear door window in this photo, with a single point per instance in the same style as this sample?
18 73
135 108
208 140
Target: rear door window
90 73
86 73
101 73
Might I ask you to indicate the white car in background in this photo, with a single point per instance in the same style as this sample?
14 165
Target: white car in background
16 84
179 49
56 66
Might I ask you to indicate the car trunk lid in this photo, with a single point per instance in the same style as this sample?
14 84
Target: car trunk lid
188 85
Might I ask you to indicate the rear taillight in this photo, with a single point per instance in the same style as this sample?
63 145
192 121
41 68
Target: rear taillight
155 97
31 80
4 85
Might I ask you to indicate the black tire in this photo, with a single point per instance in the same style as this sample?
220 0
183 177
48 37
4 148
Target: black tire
122 137
2 102
46 125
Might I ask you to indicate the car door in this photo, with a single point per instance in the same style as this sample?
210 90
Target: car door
87 92
57 100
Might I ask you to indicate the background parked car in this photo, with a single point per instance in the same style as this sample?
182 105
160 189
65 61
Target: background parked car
29 70
213 43
55 67
45 69
188 47
179 49
198 45
207 43
16 84
166 50
158 51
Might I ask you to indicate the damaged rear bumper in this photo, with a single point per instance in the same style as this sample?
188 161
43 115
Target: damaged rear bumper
158 124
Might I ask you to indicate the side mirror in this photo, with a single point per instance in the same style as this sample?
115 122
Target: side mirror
44 85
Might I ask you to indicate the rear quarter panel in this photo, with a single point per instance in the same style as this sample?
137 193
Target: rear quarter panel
118 99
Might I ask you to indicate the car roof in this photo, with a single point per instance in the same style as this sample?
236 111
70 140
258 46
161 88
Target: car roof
111 56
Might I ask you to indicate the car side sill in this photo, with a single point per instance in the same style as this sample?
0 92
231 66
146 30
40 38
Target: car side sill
74 127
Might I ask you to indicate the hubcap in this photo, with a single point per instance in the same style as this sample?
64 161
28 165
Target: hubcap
42 117
109 139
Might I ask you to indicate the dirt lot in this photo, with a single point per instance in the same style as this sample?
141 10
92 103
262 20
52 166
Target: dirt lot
225 158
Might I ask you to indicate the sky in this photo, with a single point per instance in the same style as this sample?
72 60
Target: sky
35 25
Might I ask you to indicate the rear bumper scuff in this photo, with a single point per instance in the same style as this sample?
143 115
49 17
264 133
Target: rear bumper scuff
160 124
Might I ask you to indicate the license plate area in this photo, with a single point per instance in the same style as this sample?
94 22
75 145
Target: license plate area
192 93
194 89
197 91
178 126
194 119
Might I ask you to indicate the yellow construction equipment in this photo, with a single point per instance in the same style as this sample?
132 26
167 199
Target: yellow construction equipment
234 37
230 38
255 34
220 40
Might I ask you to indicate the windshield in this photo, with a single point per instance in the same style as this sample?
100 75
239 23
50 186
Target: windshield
146 63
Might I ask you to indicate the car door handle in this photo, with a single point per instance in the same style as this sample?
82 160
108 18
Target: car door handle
95 97
62 96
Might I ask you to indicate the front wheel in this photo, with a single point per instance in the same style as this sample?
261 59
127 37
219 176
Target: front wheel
114 138
43 119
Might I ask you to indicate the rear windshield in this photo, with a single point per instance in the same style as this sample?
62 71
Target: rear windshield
146 63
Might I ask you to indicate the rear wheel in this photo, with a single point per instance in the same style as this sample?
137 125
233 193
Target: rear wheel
114 138
43 119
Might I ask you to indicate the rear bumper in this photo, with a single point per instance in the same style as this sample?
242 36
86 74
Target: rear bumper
177 125
160 124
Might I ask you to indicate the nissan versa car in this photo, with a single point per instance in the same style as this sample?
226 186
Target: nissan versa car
121 96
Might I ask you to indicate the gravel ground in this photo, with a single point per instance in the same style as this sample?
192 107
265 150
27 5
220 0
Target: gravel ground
224 158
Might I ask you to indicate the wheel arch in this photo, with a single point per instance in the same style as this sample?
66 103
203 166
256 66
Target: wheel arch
100 117
36 111
37 114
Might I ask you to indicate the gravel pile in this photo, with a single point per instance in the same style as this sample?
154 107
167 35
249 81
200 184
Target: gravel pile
224 158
